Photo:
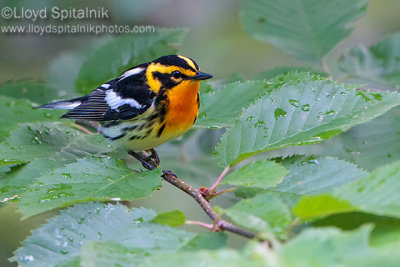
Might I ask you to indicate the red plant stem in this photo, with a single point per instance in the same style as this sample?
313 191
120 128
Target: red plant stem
211 190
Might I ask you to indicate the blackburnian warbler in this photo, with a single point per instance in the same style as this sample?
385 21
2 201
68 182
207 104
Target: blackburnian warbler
145 106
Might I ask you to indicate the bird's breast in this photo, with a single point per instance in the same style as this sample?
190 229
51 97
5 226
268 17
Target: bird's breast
183 107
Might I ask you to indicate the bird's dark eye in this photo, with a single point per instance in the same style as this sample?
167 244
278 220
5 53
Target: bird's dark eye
176 74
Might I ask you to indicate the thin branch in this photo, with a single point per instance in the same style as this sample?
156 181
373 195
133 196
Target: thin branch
218 223
194 193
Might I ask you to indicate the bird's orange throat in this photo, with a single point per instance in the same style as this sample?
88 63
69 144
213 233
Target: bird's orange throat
183 106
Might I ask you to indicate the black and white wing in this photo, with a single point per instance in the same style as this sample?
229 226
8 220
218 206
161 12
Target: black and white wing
120 99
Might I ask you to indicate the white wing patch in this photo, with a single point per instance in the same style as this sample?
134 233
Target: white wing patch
115 101
130 73
105 85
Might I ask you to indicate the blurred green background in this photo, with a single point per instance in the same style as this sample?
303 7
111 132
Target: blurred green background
216 41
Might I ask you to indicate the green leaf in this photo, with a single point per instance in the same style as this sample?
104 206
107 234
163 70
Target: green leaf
369 145
304 113
54 141
34 91
206 240
309 176
4 162
95 253
306 29
312 247
89 179
124 52
16 181
219 258
321 205
171 218
260 174
50 146
386 232
59 241
272 73
379 63
314 175
264 212
21 111
332 247
101 254
221 108
375 193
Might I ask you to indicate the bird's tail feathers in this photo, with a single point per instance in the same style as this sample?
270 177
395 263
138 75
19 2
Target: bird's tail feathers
69 104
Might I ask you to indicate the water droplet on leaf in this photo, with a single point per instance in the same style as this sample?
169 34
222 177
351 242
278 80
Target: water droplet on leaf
279 113
305 107
294 103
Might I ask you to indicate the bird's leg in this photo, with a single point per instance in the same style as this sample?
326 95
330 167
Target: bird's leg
153 157
144 161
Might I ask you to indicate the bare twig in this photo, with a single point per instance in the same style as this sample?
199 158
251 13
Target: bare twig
218 223
195 193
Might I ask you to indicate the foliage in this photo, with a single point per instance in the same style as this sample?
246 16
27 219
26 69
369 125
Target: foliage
307 29
314 163
379 63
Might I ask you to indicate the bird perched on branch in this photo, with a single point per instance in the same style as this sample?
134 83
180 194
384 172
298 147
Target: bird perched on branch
144 107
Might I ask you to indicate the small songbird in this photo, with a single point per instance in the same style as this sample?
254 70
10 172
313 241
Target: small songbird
145 106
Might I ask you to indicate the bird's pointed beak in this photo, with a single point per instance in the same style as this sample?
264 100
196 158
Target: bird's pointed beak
201 76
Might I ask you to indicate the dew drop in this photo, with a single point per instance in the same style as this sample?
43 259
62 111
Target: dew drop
259 124
294 103
279 113
305 107
250 118
28 258
64 251
66 175
36 140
